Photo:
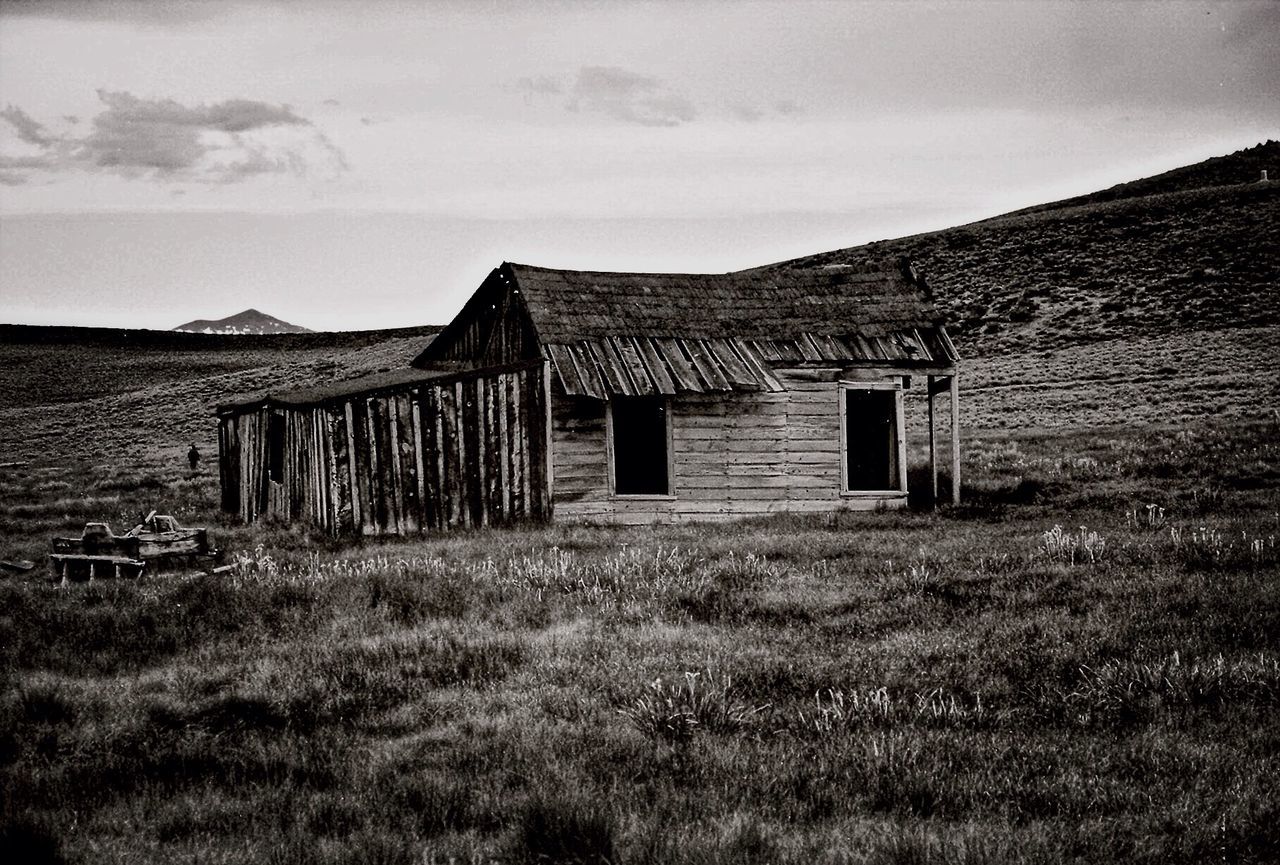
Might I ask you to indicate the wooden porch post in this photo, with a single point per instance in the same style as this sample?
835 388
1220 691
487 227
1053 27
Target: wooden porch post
955 439
933 446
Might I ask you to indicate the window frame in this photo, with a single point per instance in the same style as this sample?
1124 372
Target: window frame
611 457
899 434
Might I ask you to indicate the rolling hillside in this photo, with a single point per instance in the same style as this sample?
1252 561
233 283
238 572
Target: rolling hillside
1193 249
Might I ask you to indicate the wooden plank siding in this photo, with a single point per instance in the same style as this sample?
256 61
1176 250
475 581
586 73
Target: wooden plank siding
733 456
468 451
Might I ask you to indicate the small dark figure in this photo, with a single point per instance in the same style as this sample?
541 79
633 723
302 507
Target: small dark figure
193 456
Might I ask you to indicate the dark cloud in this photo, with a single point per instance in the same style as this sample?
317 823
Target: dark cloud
332 102
786 107
162 139
27 128
146 12
629 97
747 113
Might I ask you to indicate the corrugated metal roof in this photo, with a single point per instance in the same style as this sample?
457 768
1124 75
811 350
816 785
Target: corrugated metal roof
642 365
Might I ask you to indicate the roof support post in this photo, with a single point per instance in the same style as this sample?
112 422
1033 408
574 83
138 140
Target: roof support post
955 439
933 445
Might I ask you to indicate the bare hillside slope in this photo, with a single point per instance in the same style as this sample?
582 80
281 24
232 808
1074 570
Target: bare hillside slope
1138 266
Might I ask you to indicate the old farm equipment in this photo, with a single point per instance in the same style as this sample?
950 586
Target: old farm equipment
158 541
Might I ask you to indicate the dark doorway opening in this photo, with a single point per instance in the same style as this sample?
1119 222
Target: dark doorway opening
275 448
871 440
640 452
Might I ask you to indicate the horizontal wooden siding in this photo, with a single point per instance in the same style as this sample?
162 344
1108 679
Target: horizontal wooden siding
734 455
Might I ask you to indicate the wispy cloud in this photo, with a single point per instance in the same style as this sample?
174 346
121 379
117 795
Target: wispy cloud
163 140
138 12
630 97
633 97
27 128
539 85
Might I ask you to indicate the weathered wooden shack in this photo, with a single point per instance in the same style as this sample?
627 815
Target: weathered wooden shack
616 397
392 453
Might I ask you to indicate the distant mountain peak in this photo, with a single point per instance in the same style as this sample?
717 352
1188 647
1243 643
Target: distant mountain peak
250 321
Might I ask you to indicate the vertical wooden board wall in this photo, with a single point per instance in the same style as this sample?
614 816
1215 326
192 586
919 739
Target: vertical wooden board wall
350 423
335 446
452 448
248 424
535 425
402 481
259 421
467 452
393 482
493 454
229 464
519 451
293 472
361 460
472 427
380 466
409 444
432 458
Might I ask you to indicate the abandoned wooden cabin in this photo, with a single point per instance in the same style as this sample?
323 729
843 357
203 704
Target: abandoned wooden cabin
614 397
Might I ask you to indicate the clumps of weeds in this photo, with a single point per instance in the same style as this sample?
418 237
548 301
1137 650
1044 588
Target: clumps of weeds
923 576
1208 499
1206 548
673 712
1148 516
255 563
629 581
1059 545
836 710
1132 691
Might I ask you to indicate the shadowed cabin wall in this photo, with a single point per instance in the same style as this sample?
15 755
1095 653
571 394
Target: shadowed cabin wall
734 455
468 451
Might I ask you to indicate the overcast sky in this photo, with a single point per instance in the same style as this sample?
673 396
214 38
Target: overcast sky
364 164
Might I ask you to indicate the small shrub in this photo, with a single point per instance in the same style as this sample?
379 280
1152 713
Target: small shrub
672 712
1132 691
1062 546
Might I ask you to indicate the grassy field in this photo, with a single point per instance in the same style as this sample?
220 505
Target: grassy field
1081 663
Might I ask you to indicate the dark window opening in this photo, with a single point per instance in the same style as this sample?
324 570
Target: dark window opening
275 448
640 446
871 440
